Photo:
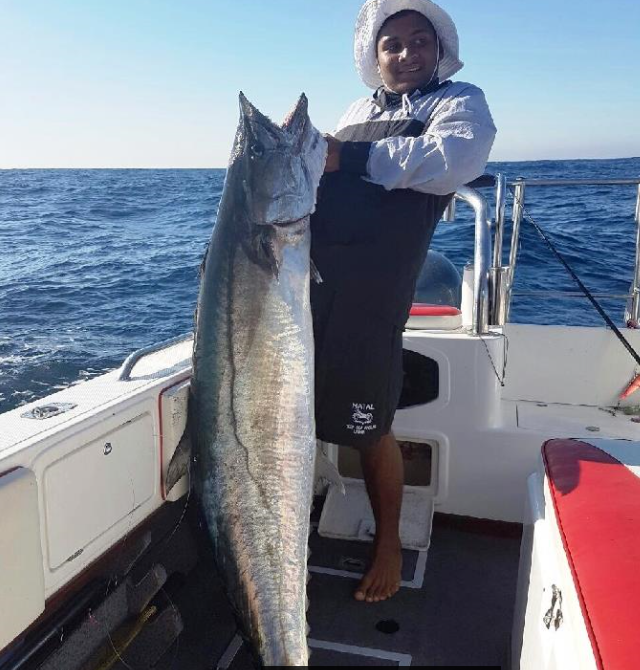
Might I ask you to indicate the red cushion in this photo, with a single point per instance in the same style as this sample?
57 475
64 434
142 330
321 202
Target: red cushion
420 309
597 503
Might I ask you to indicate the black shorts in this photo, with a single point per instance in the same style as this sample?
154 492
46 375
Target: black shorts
358 366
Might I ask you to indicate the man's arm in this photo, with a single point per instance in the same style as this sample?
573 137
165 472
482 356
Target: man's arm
452 152
334 149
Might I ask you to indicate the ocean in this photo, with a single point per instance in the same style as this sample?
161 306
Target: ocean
95 264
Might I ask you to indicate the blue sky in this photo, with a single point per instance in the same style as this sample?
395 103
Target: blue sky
154 83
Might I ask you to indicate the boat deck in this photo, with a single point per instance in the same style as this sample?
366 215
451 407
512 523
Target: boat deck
459 615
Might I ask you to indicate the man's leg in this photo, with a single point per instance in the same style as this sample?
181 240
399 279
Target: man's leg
384 475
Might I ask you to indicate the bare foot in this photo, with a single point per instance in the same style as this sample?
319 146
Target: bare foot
382 581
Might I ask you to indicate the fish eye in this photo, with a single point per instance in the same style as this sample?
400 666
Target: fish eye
257 150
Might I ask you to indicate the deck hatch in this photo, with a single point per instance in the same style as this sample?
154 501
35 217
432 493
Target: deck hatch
92 488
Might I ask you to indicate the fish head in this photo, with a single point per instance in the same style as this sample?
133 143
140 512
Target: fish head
281 168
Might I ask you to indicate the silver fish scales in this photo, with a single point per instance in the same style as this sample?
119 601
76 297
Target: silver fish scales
251 409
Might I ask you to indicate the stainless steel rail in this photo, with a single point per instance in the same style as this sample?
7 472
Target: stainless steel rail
634 312
574 294
502 300
516 219
134 358
482 256
499 278
493 282
577 182
501 206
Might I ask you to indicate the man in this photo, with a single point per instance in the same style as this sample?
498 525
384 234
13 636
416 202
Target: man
392 166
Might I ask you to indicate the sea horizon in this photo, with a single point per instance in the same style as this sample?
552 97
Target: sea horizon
491 162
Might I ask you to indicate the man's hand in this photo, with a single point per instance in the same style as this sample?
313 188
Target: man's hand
333 154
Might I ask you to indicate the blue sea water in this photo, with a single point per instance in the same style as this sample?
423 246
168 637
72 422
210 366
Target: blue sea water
97 263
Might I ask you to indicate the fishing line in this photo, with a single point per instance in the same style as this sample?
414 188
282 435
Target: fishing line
529 219
500 378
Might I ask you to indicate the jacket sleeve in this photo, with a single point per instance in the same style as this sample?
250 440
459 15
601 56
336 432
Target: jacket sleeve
452 152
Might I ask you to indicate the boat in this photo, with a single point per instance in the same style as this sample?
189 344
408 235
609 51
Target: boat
520 517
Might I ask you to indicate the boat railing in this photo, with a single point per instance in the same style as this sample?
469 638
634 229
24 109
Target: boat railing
131 360
501 277
482 280
493 281
520 186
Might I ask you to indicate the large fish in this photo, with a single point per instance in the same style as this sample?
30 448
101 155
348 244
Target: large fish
251 408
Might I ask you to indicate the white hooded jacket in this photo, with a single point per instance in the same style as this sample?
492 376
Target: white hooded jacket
449 150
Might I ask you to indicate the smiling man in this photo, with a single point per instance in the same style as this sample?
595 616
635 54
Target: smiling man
392 166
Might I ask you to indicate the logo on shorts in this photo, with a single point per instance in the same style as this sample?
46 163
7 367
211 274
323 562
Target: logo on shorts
362 418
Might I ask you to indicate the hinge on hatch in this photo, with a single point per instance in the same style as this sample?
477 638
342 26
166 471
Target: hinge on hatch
552 616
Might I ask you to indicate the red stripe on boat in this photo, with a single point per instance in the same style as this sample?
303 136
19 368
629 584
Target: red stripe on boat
419 309
597 503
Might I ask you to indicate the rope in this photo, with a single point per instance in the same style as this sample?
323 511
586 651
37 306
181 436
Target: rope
500 378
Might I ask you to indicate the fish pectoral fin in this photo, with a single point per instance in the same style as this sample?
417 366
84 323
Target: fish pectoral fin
315 273
327 471
265 251
179 464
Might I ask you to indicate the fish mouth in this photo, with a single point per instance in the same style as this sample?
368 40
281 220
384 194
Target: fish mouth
283 224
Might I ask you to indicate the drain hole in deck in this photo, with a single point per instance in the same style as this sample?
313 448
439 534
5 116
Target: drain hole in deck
388 627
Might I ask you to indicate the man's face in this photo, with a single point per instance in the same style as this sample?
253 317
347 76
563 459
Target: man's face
407 52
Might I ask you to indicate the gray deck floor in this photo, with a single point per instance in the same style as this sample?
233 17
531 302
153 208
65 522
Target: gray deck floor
460 617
